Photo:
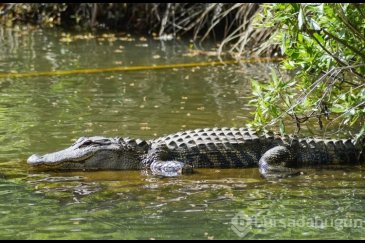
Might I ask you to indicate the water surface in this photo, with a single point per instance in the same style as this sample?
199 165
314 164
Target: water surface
47 113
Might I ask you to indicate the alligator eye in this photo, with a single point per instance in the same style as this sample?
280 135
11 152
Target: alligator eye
95 142
103 141
86 143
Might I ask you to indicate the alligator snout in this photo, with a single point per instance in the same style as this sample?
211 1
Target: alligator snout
34 159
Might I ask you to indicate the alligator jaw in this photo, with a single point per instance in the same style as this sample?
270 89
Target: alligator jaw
37 161
54 159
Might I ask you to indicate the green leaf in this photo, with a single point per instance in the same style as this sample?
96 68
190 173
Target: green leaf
295 55
256 88
300 18
282 127
320 9
314 25
318 37
274 77
283 44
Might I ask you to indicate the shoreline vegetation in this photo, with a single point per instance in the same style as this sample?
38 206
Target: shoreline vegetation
231 24
323 45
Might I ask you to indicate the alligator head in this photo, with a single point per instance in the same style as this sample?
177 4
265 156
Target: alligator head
91 153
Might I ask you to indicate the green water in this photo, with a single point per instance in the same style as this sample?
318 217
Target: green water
44 114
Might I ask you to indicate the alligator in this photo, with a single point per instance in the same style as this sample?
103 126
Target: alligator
179 153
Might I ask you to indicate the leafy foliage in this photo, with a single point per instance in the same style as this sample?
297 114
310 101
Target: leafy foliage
324 44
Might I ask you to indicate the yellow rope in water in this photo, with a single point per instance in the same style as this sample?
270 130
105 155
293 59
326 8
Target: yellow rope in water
133 68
